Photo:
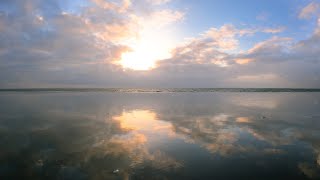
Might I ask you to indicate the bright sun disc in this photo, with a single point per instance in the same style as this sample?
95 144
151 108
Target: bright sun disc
149 48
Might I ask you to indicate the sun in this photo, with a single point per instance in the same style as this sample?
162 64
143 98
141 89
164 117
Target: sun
151 46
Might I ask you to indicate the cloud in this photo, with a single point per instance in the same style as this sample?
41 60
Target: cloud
44 43
66 36
165 17
263 16
46 38
310 10
211 47
158 2
112 6
274 30
263 77
223 38
273 49
243 60
309 48
272 59
215 46
215 57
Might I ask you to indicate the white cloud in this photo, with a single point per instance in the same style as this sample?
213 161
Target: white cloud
164 17
274 30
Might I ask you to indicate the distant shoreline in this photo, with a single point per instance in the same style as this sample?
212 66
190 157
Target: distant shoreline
159 90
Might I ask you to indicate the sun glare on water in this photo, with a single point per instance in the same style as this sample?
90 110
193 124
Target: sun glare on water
150 47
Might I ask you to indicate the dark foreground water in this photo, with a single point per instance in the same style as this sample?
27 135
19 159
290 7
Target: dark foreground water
169 135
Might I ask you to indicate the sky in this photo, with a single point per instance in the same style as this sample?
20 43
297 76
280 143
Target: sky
160 43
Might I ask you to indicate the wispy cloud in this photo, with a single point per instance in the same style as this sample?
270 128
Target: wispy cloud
310 10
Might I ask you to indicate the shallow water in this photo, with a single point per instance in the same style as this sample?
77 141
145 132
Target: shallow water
176 135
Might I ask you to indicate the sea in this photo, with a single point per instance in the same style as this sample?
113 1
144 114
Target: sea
160 134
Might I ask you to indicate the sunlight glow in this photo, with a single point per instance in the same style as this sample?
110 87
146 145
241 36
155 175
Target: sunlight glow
151 46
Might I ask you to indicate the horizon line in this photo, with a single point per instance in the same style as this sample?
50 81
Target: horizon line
158 90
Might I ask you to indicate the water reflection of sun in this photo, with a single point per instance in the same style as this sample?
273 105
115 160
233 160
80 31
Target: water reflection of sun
143 131
137 119
143 121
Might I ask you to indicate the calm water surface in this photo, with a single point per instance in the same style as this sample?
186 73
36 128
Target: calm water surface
108 135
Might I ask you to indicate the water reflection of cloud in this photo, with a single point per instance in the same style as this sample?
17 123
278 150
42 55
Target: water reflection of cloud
255 101
64 143
227 134
134 147
142 125
238 130
98 137
219 134
243 120
310 170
